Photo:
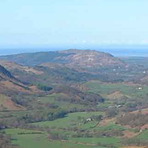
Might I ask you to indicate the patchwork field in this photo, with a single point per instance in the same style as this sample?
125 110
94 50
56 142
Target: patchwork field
127 89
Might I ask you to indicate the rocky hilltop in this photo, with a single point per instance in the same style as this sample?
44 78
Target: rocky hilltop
72 57
89 58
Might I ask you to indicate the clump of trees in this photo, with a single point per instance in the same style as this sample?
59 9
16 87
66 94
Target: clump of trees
38 116
44 87
57 114
96 133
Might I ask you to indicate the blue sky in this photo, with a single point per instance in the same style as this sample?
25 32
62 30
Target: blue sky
73 23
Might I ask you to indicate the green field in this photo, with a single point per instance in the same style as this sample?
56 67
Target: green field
71 120
143 135
25 139
73 130
53 99
126 89
68 126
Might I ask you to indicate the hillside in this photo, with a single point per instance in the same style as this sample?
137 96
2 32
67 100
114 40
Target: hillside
73 57
74 95
46 73
5 74
8 81
56 67
89 58
10 88
7 104
65 66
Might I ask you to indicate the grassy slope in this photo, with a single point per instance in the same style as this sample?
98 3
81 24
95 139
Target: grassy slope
143 135
52 99
72 120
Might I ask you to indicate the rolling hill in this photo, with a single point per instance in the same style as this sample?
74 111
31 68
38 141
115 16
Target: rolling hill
72 58
64 66
8 81
74 95
46 73
10 88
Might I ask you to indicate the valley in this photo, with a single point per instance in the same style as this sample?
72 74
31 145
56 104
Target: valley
73 99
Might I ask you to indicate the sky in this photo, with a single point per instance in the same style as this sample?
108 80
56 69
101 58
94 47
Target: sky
73 23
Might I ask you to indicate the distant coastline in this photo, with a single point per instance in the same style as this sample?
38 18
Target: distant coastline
116 52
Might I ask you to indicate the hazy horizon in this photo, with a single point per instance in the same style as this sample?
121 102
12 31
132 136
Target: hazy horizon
75 24
118 52
117 27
